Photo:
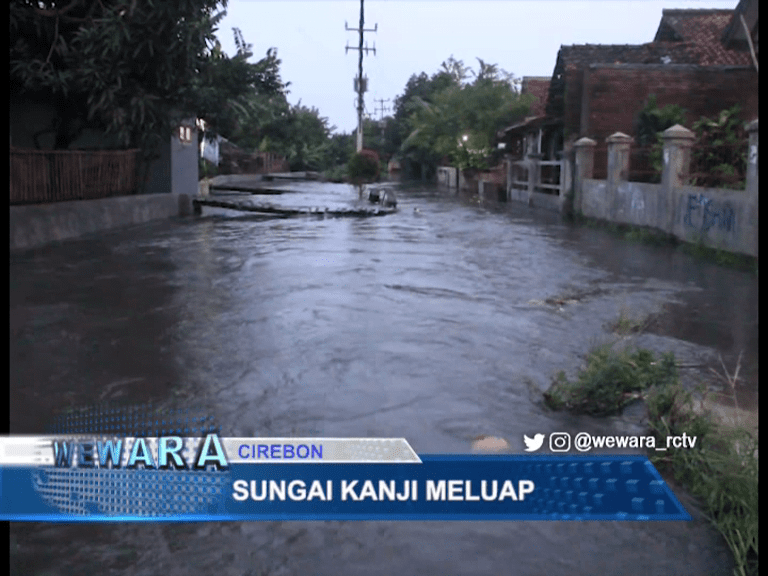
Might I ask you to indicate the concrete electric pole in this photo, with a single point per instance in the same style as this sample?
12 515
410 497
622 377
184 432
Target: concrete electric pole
381 108
381 111
361 83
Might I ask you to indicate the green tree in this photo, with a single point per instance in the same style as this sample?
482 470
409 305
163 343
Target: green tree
461 120
340 149
233 95
300 134
421 88
455 70
131 69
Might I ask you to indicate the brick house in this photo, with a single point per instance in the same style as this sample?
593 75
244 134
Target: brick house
525 137
697 60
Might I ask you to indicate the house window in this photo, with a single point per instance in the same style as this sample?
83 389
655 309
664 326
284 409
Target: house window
185 134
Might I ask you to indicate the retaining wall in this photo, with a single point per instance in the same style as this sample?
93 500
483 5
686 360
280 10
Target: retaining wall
36 225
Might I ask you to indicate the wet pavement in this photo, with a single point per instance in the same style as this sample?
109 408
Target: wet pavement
440 323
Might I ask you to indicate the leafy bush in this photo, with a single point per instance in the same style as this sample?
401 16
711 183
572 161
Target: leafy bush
720 154
652 120
651 123
364 166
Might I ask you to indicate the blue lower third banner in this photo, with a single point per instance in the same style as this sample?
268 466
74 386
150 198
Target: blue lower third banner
436 488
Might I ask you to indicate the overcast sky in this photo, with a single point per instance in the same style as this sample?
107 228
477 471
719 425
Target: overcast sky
520 36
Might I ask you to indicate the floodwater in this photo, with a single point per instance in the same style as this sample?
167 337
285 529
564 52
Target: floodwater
440 323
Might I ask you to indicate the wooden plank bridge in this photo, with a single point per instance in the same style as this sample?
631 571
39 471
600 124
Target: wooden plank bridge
285 211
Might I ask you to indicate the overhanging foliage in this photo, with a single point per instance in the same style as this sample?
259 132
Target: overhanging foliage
132 69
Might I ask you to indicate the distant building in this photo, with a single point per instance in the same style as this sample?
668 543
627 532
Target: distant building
525 137
697 60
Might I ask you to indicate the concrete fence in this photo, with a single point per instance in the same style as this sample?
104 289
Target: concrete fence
716 217
447 176
489 183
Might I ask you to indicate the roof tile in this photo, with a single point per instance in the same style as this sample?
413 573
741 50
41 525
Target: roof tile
704 28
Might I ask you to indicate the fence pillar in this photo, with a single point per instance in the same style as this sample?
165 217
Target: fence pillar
508 187
752 175
676 168
618 169
678 141
618 157
585 167
534 175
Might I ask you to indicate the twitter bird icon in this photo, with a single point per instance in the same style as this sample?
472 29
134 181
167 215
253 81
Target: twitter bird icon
533 444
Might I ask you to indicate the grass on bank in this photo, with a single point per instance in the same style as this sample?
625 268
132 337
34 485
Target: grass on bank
721 471
610 381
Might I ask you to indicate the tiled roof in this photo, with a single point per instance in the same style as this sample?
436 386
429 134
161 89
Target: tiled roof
733 34
651 53
537 86
580 56
704 28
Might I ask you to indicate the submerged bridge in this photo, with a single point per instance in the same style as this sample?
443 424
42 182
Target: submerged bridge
382 201
288 211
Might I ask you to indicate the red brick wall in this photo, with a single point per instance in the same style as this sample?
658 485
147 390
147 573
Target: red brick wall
617 93
495 175
574 77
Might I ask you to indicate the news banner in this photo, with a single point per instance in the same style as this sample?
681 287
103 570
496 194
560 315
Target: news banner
91 477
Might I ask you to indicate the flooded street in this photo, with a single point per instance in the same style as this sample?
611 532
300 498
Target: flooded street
440 323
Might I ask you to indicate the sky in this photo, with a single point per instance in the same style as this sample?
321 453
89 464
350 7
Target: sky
520 36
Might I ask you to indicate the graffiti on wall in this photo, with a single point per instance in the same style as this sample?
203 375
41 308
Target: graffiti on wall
713 214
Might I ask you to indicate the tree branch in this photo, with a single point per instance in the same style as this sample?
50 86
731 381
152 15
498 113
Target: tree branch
55 39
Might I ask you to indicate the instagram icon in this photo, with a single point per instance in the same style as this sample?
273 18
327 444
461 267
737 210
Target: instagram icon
559 442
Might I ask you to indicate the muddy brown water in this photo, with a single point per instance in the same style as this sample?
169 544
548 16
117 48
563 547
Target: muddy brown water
441 323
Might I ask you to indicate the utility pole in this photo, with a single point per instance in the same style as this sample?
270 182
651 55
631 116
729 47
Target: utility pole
382 108
381 111
361 83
